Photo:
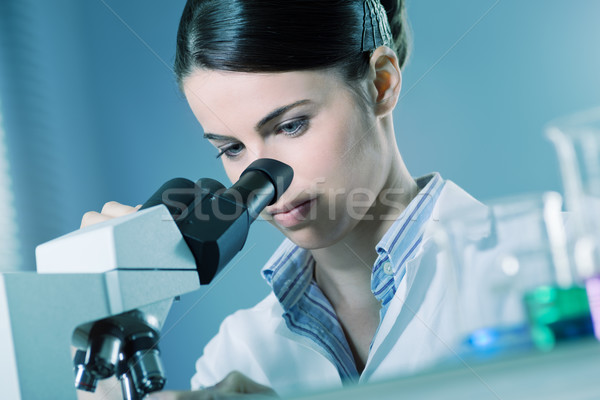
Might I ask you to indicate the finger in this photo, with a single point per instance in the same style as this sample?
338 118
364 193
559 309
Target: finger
91 218
230 384
115 209
236 382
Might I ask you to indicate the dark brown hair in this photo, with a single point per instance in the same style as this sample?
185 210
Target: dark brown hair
280 36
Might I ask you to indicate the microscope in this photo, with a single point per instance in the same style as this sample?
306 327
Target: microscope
106 289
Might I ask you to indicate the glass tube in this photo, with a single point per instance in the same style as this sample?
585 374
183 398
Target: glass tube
576 139
515 273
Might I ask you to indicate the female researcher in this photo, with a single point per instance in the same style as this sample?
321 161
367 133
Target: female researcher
359 291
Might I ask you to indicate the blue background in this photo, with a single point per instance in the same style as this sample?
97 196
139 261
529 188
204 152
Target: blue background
92 113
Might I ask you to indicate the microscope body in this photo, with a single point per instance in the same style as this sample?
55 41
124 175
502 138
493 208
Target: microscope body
122 273
106 289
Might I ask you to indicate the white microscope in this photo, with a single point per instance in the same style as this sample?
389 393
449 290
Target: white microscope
107 289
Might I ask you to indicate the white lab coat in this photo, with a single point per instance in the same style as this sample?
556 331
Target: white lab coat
436 304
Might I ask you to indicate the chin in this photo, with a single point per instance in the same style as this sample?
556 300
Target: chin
311 236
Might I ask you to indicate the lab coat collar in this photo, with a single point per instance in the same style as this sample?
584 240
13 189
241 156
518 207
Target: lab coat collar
453 200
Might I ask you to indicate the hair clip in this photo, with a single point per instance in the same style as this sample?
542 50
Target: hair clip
376 27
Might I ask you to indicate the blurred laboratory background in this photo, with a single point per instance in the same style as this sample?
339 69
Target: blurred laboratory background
90 112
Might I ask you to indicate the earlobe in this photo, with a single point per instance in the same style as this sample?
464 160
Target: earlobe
387 80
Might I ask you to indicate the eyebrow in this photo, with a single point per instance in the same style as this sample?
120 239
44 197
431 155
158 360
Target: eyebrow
273 114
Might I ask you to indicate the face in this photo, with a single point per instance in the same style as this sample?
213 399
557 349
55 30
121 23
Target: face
310 120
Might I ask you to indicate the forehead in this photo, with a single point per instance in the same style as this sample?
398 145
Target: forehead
218 95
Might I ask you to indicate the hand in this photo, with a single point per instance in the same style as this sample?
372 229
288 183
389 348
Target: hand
234 386
112 209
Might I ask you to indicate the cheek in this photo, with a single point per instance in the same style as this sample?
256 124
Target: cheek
326 154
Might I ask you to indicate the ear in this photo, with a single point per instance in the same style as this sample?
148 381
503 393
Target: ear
385 80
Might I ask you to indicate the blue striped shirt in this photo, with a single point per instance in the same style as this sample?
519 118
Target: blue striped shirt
308 313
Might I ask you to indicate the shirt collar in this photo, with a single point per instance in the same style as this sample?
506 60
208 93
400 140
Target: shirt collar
403 240
289 272
416 213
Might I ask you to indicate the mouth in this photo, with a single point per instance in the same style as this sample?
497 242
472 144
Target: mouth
293 213
288 207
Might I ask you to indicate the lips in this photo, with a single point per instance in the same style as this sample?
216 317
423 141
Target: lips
288 207
293 214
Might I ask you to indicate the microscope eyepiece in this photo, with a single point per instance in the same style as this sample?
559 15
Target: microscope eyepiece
280 175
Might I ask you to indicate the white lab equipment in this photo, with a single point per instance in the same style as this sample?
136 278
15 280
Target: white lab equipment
516 250
482 242
43 314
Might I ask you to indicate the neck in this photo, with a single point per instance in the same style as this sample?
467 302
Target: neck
343 270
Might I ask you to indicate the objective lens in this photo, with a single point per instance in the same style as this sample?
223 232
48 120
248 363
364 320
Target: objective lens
143 360
83 379
147 370
103 350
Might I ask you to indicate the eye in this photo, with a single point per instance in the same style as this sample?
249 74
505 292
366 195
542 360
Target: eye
294 127
231 150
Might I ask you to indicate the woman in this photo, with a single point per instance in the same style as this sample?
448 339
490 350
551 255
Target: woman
357 295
